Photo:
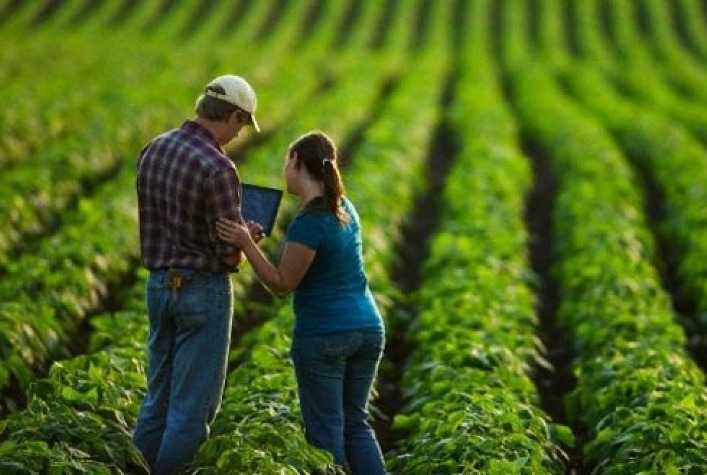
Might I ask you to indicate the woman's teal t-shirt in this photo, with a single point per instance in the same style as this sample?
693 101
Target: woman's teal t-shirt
334 295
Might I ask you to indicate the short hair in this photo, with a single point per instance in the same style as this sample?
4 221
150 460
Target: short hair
212 108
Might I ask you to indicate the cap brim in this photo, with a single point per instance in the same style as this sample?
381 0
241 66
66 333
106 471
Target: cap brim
254 123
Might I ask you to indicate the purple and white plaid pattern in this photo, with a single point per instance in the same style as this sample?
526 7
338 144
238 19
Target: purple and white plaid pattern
185 182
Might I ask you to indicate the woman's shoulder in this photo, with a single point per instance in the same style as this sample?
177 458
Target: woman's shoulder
311 218
350 208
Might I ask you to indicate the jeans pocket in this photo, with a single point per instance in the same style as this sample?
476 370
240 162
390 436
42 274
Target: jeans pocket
191 310
340 345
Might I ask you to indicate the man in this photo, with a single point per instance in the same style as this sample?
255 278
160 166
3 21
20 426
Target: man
185 182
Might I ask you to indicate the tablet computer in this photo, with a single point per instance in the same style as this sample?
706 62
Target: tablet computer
260 204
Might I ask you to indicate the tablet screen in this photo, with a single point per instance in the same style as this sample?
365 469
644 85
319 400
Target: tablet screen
260 204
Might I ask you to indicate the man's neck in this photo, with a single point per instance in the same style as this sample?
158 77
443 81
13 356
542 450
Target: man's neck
214 127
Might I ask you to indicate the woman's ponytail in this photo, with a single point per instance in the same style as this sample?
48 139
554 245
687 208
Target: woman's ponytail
333 189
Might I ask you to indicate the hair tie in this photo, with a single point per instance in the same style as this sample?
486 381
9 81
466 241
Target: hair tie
324 162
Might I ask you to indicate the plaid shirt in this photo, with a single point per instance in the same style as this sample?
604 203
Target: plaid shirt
185 182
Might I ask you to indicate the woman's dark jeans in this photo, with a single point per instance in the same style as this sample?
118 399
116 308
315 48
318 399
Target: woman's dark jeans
335 374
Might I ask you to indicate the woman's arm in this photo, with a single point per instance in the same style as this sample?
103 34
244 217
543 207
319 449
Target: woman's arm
281 280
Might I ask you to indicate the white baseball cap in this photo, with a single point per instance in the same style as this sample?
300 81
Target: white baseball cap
237 92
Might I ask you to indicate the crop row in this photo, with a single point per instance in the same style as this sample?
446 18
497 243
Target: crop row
471 404
638 392
634 377
48 294
470 400
663 130
78 418
661 127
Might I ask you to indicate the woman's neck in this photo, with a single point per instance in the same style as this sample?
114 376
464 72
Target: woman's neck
311 190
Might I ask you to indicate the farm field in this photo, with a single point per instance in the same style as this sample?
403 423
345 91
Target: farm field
531 177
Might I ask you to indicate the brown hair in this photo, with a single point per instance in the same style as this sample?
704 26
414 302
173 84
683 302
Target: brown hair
212 108
317 152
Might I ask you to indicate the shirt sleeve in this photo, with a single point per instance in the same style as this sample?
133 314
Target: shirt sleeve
306 229
223 200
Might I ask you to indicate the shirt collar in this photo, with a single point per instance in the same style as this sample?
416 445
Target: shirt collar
193 127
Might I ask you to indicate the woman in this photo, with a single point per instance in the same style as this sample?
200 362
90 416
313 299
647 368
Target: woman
338 334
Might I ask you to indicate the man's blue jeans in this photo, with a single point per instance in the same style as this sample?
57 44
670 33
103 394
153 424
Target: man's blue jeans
335 374
189 337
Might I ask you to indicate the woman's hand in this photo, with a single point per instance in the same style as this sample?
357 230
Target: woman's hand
255 230
234 233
